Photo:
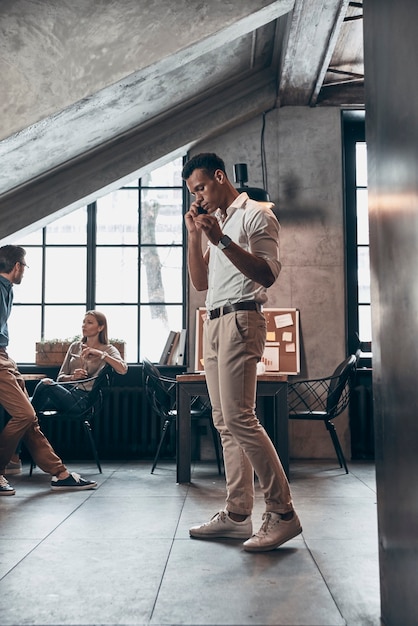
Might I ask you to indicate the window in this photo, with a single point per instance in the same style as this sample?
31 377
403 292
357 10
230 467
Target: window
123 254
357 230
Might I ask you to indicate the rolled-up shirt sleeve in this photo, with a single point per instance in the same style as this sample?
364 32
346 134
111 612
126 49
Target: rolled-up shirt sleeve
263 231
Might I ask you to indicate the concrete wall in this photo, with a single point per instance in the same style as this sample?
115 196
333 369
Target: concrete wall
304 167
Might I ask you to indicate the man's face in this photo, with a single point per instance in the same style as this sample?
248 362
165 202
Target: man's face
209 192
18 272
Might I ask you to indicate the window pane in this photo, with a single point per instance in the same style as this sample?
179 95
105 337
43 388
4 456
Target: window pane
363 275
361 164
24 331
122 323
161 216
117 217
69 229
117 275
33 239
168 175
365 323
156 323
63 322
362 217
161 275
30 289
65 275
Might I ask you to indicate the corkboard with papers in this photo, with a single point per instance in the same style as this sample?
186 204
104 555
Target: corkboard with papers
282 352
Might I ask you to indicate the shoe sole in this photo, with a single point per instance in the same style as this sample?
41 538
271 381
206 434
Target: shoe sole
273 546
12 472
220 536
8 493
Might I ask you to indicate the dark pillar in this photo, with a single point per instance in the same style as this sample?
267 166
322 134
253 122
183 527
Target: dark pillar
391 56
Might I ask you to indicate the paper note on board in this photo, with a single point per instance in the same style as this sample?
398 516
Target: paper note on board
270 358
287 336
283 320
290 347
271 336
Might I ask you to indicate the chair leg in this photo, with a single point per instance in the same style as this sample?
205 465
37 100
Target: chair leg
337 446
87 428
216 443
164 431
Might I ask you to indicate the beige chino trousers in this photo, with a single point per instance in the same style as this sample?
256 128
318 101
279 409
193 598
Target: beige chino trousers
232 346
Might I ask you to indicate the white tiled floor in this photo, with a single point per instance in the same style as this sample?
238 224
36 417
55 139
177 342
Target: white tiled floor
122 554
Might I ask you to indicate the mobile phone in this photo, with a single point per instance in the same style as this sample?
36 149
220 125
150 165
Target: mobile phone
201 210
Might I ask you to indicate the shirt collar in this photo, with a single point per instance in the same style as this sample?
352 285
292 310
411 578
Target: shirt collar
238 203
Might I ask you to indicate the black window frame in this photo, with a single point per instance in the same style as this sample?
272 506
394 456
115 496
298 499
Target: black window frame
91 247
353 131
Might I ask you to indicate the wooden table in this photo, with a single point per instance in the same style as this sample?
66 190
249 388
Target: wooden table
273 386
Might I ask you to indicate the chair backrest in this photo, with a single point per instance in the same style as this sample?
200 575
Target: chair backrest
160 391
340 386
95 397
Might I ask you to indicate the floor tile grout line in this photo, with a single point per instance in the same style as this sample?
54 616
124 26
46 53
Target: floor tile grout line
169 554
324 579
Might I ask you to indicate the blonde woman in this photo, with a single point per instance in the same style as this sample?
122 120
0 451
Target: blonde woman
84 359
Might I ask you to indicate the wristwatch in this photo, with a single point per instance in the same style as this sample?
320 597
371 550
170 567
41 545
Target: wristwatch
224 242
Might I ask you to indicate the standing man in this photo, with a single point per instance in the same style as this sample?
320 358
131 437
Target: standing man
239 264
23 424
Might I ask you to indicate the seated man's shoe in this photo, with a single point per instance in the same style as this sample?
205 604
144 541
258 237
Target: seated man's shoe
73 482
273 533
13 468
5 488
221 526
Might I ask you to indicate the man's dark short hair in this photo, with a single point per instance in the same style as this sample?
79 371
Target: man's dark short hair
9 256
207 161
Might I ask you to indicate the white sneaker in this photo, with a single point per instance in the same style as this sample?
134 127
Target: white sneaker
273 533
5 488
223 527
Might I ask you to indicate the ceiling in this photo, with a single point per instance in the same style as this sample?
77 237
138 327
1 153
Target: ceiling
94 94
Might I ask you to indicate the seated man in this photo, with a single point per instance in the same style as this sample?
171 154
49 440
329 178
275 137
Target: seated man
23 424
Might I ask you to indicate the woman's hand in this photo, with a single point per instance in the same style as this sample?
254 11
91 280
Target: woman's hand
79 374
86 352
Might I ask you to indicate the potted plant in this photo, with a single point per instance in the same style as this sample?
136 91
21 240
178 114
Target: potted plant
53 351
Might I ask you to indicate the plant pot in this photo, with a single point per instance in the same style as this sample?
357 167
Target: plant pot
53 352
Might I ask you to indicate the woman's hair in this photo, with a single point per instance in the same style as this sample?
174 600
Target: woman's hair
9 256
102 321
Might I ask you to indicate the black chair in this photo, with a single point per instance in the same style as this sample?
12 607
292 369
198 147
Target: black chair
161 393
94 406
324 399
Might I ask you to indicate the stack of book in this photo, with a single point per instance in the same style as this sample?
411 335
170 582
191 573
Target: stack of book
174 352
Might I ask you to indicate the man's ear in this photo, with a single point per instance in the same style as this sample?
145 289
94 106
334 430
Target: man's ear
15 269
219 176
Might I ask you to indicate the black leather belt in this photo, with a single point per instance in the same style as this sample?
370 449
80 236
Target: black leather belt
239 306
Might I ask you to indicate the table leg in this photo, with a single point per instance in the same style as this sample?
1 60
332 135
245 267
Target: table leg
183 432
281 434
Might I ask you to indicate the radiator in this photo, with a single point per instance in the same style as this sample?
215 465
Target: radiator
125 429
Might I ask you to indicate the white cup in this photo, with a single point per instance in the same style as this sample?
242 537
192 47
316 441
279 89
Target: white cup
261 368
